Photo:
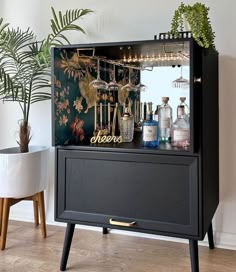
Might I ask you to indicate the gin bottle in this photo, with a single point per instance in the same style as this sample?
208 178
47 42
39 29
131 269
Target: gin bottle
165 120
180 133
150 131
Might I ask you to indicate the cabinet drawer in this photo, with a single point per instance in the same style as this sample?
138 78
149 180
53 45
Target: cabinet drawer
157 192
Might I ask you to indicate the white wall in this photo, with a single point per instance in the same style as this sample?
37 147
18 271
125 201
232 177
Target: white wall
134 20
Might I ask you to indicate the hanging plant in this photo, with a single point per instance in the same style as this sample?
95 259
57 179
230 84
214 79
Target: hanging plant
197 18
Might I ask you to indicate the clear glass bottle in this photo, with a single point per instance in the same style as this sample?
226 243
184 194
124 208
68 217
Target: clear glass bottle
149 105
150 131
165 121
180 133
127 126
186 107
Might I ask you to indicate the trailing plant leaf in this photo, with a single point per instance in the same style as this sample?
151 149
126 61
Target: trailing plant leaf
199 22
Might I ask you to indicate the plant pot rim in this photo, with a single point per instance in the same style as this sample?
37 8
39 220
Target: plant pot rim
23 174
14 151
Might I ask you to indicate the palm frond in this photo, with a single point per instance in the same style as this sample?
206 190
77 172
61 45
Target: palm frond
40 97
61 23
25 62
3 26
16 39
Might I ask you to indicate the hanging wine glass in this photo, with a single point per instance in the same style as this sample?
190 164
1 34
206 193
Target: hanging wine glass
98 83
129 86
141 87
181 82
113 85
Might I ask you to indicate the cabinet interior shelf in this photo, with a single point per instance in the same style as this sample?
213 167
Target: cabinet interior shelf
134 146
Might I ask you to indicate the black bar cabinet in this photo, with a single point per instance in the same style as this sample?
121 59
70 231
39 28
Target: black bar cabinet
164 190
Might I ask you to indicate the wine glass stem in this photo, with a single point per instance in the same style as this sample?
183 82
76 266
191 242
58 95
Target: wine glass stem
129 75
98 69
114 73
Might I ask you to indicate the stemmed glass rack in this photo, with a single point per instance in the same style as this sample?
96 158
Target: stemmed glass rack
139 63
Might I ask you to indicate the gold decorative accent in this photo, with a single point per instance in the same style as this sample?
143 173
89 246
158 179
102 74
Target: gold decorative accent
122 224
103 139
88 92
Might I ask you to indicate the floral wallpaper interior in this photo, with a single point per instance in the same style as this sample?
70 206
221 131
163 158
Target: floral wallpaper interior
74 99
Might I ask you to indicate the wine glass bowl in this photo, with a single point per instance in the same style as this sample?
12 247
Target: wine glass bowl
129 86
141 87
98 83
113 85
181 82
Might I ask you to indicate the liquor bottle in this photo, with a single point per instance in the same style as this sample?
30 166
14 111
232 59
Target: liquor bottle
155 116
150 132
186 108
144 111
180 134
127 126
149 104
165 121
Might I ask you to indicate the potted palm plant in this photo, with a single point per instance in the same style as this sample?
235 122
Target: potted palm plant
25 65
25 80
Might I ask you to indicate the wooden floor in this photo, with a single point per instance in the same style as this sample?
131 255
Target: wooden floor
91 251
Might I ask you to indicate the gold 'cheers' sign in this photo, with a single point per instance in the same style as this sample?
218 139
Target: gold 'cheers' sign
102 139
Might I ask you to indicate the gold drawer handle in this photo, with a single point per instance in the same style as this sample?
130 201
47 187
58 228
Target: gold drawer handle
122 224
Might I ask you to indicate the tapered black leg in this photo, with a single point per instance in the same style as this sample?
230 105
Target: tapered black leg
67 243
104 230
210 237
193 247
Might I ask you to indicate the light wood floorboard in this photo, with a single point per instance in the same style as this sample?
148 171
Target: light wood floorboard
91 251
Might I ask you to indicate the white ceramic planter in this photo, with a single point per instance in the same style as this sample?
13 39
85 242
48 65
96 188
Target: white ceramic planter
23 174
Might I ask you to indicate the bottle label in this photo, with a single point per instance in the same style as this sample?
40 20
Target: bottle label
165 123
155 117
180 135
149 133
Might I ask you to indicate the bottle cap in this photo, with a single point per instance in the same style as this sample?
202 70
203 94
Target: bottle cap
182 99
126 114
165 99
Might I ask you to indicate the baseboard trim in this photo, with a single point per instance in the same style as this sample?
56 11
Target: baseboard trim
225 240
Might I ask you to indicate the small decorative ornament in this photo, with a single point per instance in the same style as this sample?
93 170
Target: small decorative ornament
101 137
78 104
63 120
